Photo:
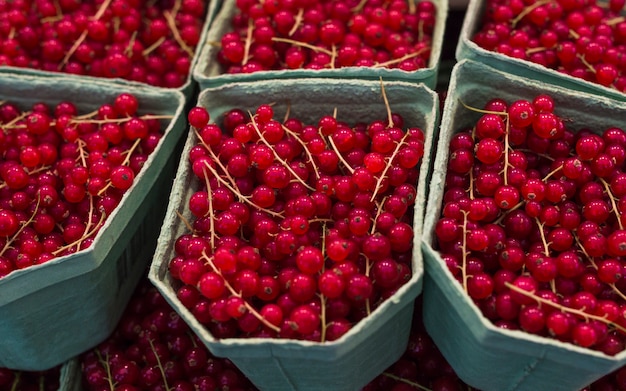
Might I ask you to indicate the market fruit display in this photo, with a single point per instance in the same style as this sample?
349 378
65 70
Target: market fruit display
581 39
283 35
298 230
143 41
532 224
63 172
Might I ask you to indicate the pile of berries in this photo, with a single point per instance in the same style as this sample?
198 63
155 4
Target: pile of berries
533 221
300 230
62 173
150 42
324 34
152 348
580 38
12 380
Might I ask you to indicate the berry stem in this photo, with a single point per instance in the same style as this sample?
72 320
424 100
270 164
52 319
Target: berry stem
503 215
305 148
211 212
16 381
359 7
248 43
159 364
615 20
22 227
84 120
345 163
546 249
400 59
283 162
233 292
126 161
593 264
406 381
298 21
131 42
613 204
129 153
185 221
103 7
82 154
379 210
528 10
465 252
90 229
387 166
107 368
152 47
387 105
170 18
570 310
303 44
238 193
551 173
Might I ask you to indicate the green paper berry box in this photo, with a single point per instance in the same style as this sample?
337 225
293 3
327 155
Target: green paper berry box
483 355
208 73
51 312
377 341
468 49
188 88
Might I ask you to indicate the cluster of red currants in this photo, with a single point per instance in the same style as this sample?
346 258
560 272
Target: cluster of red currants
313 34
299 230
580 38
62 174
12 380
148 42
532 224
153 349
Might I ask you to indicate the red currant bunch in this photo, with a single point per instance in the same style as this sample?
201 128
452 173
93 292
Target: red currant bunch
299 229
280 34
145 41
577 38
532 223
63 173
152 348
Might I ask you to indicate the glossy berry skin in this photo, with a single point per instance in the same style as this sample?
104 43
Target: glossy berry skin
535 235
538 34
323 221
367 35
64 172
152 44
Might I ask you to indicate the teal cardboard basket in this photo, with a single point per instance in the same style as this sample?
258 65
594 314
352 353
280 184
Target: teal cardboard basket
208 73
52 312
483 355
71 376
467 49
188 89
377 341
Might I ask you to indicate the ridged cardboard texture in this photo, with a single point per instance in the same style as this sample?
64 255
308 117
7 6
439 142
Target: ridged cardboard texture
51 312
467 49
374 343
484 356
207 71
188 89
